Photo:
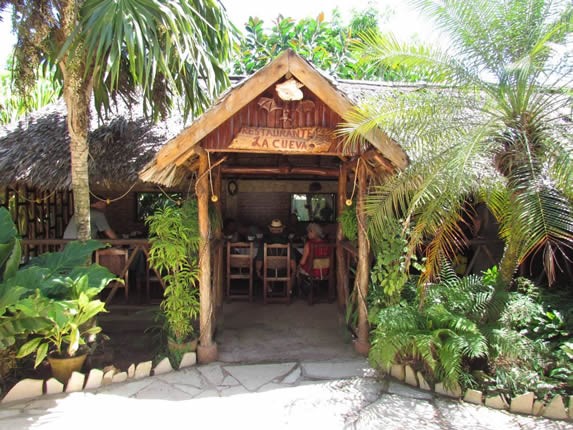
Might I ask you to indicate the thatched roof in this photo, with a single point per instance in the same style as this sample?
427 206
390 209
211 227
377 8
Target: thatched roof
35 150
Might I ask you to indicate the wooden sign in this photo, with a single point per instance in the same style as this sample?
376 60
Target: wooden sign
301 140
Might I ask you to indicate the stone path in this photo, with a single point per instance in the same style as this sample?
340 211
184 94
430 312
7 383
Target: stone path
296 395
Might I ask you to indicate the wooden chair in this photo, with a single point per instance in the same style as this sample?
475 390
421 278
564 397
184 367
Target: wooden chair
115 260
321 259
277 274
240 267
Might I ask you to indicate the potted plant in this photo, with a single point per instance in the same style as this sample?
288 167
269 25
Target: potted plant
49 298
174 246
70 324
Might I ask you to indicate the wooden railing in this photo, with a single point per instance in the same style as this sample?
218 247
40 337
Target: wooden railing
35 247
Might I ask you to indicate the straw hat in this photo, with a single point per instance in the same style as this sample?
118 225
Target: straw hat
276 226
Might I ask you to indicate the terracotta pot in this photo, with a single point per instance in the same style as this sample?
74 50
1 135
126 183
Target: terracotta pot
182 347
62 368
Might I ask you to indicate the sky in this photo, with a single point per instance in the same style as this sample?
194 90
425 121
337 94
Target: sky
404 21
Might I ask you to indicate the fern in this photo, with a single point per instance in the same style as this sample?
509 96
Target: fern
435 338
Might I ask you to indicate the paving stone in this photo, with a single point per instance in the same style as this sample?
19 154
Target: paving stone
522 404
126 390
254 376
293 376
108 377
163 367
455 391
538 407
473 396
184 377
398 372
206 394
463 416
25 389
160 390
119 377
41 403
410 377
8 413
189 389
212 373
332 370
143 370
496 402
53 386
95 379
388 413
423 384
229 381
76 382
235 391
407 391
131 371
555 409
189 359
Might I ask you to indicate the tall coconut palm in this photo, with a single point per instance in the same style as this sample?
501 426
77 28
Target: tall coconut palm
497 128
163 48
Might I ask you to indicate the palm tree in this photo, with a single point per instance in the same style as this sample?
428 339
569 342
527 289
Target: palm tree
496 129
163 48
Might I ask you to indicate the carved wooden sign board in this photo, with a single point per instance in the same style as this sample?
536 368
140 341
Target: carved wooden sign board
280 140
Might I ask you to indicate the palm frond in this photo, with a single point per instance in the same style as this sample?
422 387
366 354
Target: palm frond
167 48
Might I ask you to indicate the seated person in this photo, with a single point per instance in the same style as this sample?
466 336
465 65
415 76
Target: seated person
231 230
295 230
314 236
98 222
275 236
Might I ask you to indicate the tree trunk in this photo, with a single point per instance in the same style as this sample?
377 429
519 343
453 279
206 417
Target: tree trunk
341 275
509 263
77 90
362 344
207 350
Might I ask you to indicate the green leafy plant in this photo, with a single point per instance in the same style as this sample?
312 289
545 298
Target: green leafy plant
50 298
174 240
460 326
70 322
349 222
434 339
391 270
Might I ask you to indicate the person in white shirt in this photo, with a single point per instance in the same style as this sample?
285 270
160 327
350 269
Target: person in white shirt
98 222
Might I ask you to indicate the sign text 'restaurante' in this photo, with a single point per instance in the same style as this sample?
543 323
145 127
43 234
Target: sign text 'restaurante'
304 139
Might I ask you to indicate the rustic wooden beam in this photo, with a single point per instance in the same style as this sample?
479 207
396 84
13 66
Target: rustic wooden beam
374 156
223 110
341 273
362 344
207 349
285 170
218 233
320 86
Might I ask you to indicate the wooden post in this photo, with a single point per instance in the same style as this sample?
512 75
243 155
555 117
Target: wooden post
362 345
341 274
218 268
207 349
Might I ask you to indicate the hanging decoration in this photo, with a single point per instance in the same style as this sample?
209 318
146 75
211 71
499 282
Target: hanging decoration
214 197
349 201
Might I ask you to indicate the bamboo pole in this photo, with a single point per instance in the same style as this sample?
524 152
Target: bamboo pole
341 273
362 345
207 349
